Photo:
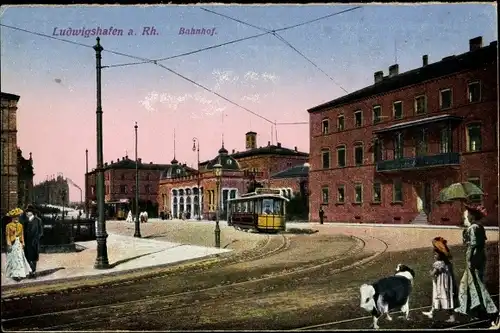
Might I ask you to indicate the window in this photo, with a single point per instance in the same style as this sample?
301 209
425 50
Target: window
324 195
474 90
107 189
92 190
122 176
397 191
133 189
397 109
324 127
377 192
358 154
377 113
325 158
420 104
476 181
378 146
358 193
341 194
123 189
358 118
340 123
445 99
445 140
398 146
341 156
147 188
474 137
421 147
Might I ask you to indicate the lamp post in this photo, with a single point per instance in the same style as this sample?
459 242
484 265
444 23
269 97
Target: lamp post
101 261
218 174
196 147
86 183
137 232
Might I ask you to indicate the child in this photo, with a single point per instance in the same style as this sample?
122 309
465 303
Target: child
444 289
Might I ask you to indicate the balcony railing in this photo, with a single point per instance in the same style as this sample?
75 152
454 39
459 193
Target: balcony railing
408 163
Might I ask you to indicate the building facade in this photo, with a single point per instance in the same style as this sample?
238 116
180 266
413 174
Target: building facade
9 177
383 153
192 194
120 184
25 190
53 191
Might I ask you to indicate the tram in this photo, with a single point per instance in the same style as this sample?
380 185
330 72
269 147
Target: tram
262 210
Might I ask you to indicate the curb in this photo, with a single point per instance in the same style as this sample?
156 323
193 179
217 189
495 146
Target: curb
414 226
58 285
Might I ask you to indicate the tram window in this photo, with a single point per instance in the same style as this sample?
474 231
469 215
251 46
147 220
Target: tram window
244 207
277 207
250 207
267 206
258 206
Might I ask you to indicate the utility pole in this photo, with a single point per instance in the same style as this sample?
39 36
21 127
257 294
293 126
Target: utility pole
86 183
101 235
137 232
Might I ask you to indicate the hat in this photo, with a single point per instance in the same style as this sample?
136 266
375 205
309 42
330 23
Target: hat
29 208
440 245
15 212
477 210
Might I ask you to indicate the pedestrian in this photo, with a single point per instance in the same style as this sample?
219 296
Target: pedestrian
444 286
17 266
321 214
33 234
474 299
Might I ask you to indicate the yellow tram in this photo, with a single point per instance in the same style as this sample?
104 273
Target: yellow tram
262 210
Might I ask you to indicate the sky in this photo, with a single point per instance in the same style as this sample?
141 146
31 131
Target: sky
57 80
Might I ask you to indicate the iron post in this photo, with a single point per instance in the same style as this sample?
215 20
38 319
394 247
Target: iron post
86 183
196 146
101 235
218 174
137 232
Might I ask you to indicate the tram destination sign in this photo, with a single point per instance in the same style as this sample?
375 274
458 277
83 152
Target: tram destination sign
268 191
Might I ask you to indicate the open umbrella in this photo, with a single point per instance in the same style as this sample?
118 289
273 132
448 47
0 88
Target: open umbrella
459 191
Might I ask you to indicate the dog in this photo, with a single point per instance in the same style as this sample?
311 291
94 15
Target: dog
388 294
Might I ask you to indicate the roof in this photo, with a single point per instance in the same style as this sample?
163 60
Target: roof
227 161
175 170
447 66
10 97
301 170
269 150
127 163
419 122
260 196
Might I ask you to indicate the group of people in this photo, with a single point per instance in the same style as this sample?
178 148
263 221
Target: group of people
469 297
23 233
143 217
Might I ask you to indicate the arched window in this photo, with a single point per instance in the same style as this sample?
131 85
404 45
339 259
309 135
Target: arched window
358 154
341 156
325 126
325 158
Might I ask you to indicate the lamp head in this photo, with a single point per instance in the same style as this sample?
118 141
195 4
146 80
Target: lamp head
194 144
217 170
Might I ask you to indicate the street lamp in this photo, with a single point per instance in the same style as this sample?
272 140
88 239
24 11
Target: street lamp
196 147
218 174
137 232
86 183
101 261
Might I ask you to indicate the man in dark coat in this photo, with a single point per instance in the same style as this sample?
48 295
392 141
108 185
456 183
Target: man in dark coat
33 229
321 214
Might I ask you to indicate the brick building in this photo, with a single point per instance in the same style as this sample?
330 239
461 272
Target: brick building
25 190
119 184
383 153
182 190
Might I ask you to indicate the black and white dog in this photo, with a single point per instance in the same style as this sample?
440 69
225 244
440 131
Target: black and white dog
387 294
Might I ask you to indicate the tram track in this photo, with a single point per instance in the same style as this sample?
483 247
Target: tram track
82 317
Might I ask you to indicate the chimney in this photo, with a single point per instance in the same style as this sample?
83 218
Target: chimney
250 140
268 143
150 162
425 60
393 70
475 43
234 150
139 160
295 148
279 144
378 76
106 164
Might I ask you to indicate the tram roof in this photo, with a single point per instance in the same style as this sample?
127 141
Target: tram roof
259 196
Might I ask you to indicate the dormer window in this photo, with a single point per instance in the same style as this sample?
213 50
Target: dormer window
229 162
178 171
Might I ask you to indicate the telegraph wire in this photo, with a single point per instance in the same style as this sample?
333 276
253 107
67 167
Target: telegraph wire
284 41
153 62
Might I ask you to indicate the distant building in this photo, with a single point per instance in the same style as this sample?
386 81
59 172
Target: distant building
53 191
119 184
382 154
188 193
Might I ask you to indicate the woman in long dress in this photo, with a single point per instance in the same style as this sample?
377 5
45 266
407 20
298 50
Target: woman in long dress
473 297
17 265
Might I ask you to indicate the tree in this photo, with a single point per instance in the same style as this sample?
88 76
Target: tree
253 185
297 208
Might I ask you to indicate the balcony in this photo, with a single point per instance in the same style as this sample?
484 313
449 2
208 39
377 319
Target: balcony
419 162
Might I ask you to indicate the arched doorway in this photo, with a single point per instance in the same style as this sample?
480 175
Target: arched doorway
175 209
181 206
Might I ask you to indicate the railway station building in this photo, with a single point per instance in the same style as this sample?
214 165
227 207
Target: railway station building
382 154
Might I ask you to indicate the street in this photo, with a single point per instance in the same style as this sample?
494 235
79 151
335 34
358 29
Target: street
303 281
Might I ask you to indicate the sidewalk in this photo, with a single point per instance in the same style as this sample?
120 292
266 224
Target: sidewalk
125 253
379 225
